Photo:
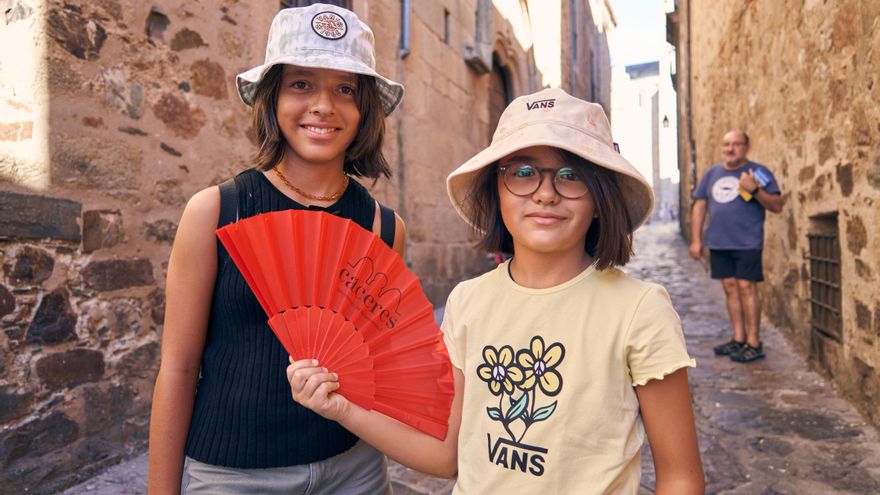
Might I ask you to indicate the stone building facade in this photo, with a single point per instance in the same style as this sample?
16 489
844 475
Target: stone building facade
802 78
114 112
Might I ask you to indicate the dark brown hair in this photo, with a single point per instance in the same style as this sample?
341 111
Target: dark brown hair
609 238
363 158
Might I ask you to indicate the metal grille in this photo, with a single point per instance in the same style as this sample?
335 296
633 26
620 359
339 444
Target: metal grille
825 284
305 3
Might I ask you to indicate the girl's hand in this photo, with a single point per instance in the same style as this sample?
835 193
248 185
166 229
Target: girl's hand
315 388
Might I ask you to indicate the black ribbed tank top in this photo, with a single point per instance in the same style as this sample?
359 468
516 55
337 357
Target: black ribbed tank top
244 416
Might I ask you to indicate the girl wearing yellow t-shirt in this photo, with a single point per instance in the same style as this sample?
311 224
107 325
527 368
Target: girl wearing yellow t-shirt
562 362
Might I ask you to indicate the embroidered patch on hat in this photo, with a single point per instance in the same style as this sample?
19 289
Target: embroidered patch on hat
329 25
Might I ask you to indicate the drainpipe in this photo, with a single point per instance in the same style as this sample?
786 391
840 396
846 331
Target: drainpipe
572 14
404 28
401 76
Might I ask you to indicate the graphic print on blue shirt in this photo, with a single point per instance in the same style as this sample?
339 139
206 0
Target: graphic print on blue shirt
519 381
733 222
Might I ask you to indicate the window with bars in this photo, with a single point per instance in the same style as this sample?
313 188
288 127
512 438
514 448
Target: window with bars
824 259
285 4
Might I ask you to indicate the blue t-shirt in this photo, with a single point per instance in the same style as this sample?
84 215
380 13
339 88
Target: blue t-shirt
734 223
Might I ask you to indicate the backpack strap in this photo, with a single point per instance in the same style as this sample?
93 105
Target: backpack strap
228 203
228 214
389 224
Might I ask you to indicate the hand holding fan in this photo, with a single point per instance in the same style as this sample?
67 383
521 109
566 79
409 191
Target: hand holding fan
336 293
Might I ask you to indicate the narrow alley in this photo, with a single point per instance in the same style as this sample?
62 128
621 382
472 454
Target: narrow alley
768 427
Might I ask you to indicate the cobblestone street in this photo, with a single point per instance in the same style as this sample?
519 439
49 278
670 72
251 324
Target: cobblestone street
769 427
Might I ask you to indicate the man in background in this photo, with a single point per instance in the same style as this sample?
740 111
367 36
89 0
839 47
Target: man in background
737 192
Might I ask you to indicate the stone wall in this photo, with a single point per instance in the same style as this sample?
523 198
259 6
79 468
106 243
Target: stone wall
113 113
129 110
803 79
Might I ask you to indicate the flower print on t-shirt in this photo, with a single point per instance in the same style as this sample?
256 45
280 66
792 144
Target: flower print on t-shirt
521 385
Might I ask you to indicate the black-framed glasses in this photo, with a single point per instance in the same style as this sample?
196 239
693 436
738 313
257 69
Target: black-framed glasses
523 179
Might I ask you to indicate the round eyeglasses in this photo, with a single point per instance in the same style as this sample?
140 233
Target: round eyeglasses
523 180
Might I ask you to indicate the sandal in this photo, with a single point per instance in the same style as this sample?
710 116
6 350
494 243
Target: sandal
728 348
748 354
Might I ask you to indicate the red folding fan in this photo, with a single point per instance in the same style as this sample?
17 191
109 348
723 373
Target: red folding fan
336 293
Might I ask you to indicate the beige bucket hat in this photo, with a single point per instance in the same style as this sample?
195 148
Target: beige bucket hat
552 117
325 37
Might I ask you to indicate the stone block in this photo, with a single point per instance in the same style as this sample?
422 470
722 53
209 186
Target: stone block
118 274
874 173
112 7
846 26
105 405
81 37
16 131
38 437
134 131
866 380
134 108
101 229
161 231
209 79
141 363
806 174
110 320
877 320
39 217
95 122
845 178
156 302
7 302
827 149
157 23
17 11
14 405
70 368
856 235
863 315
54 321
864 270
96 163
184 121
127 96
168 192
60 77
168 149
186 39
32 267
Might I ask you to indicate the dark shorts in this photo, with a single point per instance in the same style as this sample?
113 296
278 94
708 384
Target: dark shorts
744 264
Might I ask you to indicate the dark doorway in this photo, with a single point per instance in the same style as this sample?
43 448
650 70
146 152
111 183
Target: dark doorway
499 93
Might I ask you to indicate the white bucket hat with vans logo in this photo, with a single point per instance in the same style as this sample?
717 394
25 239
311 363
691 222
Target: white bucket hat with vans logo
552 117
325 37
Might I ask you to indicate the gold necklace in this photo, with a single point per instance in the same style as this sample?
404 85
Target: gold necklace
313 197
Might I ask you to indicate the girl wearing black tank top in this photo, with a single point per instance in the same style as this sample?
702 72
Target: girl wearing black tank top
222 418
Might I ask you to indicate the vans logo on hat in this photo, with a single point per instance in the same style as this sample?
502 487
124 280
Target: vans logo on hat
329 25
546 104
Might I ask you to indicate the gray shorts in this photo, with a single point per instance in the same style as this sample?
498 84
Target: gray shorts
361 470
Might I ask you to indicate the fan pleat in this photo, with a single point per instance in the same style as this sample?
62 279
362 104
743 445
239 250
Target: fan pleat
336 293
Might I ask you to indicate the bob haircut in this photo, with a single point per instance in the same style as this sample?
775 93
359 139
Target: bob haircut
609 238
363 158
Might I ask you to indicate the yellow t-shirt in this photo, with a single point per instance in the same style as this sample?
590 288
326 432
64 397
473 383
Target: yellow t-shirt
549 404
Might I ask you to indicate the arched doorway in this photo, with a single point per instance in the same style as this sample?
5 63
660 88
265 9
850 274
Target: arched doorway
500 94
